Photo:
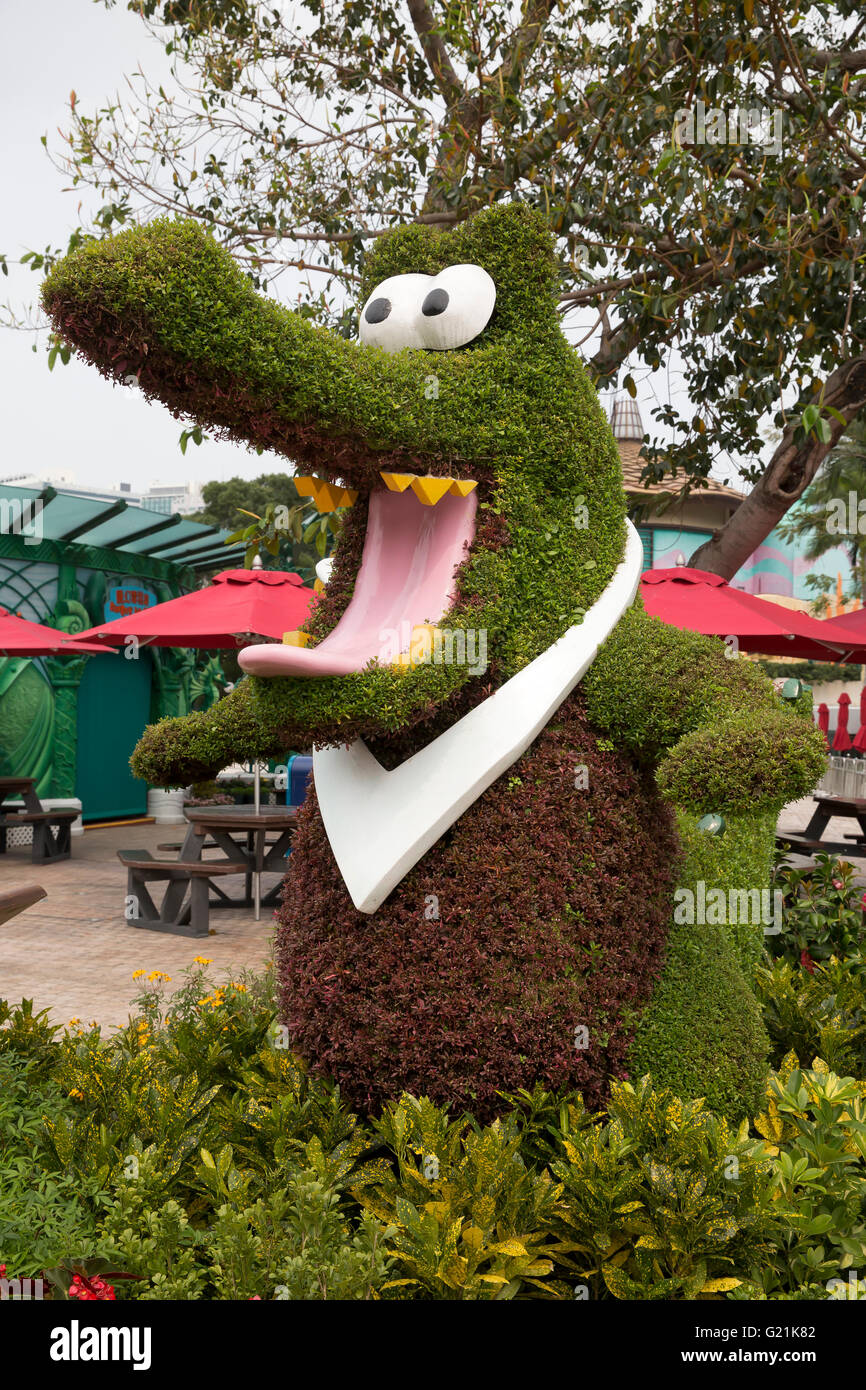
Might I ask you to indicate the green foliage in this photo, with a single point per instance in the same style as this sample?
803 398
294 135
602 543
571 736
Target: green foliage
466 1218
723 739
816 1013
702 1033
822 910
44 1214
815 1122
290 534
664 1199
189 1156
810 672
744 762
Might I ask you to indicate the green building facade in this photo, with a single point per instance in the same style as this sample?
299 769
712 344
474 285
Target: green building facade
71 722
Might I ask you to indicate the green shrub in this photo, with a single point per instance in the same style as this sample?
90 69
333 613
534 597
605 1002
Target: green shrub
664 1199
821 1013
43 1213
816 1123
702 1033
743 762
822 911
465 1217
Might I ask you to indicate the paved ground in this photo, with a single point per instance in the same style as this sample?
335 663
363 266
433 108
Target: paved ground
796 816
74 954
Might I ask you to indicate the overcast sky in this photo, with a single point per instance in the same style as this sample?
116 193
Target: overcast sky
72 419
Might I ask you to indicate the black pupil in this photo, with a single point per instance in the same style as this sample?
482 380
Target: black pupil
378 310
435 303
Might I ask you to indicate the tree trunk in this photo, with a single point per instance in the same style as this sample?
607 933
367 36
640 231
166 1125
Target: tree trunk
789 473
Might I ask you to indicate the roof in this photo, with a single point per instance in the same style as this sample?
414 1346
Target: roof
121 526
628 431
633 465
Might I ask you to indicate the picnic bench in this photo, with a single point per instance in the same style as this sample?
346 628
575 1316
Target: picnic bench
249 842
811 840
185 908
52 830
15 900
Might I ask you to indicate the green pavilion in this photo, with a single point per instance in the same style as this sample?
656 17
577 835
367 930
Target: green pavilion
71 562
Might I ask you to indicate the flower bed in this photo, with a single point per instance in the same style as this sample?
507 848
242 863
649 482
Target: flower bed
190 1156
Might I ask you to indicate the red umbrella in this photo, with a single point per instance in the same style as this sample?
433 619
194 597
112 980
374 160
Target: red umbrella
697 601
236 605
842 740
18 637
824 722
860 738
848 630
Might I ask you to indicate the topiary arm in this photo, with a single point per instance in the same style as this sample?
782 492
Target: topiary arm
714 728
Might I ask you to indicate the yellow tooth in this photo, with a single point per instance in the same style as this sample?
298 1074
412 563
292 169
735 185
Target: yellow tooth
429 491
327 496
318 587
296 639
397 482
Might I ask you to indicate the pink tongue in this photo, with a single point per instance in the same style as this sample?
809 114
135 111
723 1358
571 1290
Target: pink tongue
406 577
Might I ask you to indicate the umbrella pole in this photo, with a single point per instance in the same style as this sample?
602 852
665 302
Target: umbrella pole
257 801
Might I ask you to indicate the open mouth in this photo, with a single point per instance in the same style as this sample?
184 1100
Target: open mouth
418 533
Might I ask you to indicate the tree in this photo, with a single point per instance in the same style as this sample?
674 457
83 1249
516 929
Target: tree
702 165
283 527
826 518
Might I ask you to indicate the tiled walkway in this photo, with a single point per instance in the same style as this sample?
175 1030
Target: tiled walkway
74 954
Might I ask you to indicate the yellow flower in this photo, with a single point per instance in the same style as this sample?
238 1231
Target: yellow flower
73 1023
201 960
137 974
158 975
76 1095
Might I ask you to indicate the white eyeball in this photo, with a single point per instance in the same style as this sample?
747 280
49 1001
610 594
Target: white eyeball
457 307
438 312
390 317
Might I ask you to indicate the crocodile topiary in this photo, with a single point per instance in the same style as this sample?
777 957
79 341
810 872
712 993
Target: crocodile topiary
529 940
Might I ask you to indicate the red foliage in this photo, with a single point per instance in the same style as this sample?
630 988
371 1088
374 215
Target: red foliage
554 904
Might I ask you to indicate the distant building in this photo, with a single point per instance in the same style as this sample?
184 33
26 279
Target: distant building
672 528
183 498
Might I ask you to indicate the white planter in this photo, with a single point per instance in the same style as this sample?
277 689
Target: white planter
166 807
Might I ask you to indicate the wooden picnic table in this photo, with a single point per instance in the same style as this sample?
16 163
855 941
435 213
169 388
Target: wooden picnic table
25 787
242 833
52 830
811 839
242 836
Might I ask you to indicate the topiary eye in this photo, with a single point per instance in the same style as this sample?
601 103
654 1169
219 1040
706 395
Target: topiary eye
457 307
377 310
391 315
